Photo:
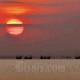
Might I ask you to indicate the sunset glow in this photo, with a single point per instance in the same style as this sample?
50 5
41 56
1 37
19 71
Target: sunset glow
16 10
14 30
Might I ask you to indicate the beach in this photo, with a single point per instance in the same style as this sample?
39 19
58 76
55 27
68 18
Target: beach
57 69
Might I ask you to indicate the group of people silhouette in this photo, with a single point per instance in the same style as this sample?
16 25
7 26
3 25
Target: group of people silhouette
30 57
46 57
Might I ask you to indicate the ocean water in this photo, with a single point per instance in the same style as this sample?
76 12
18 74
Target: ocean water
39 69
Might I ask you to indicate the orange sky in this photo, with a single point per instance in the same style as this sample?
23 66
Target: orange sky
15 10
9 9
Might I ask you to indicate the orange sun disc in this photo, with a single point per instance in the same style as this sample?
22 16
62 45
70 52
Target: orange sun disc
14 30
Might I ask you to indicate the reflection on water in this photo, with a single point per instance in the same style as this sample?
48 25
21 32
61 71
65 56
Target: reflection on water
14 30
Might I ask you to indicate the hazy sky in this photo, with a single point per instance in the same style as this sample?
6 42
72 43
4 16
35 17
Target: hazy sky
54 28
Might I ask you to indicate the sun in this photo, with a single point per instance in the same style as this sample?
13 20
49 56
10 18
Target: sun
13 28
14 21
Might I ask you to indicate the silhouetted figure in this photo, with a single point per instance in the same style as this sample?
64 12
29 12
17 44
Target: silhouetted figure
48 57
28 57
41 57
44 57
77 57
18 57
